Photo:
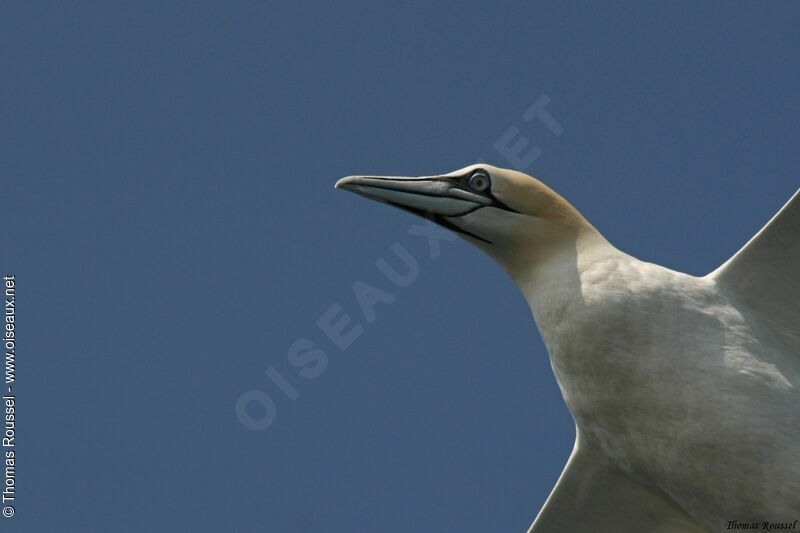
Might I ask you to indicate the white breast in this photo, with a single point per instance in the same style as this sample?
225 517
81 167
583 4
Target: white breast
676 382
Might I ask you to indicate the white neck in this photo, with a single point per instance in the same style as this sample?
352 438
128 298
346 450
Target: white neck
552 276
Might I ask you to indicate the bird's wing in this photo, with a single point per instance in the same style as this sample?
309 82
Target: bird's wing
593 495
765 273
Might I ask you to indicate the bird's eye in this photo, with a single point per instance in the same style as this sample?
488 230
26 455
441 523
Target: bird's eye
479 181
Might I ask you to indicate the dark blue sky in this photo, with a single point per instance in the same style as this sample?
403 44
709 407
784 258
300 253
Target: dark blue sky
168 208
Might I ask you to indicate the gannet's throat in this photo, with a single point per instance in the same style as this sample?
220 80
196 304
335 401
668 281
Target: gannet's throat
440 198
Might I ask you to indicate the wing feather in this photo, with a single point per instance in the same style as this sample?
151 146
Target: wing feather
765 273
593 495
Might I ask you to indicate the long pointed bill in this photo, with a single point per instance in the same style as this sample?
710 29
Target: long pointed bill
437 196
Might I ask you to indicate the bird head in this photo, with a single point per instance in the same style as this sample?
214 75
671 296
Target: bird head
513 217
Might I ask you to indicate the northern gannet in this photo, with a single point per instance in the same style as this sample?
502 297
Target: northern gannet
685 390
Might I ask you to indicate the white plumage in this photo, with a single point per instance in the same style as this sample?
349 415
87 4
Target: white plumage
685 391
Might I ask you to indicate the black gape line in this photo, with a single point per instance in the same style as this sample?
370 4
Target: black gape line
466 182
440 219
460 182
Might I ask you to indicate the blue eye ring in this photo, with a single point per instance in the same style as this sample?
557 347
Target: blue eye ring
479 181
